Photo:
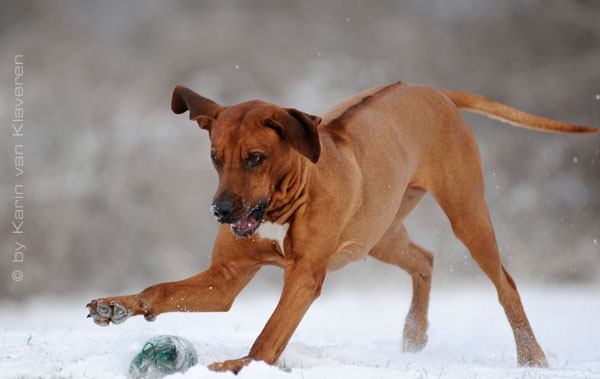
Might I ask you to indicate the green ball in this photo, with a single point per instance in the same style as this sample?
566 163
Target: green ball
163 355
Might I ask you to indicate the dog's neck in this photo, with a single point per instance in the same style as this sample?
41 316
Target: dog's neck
290 194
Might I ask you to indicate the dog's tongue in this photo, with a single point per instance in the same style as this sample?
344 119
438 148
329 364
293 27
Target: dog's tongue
245 224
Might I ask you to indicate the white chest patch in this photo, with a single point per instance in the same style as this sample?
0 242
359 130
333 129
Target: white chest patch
275 232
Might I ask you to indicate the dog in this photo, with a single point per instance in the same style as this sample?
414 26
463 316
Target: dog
311 194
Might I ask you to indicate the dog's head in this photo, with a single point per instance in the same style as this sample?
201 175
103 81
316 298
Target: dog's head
253 145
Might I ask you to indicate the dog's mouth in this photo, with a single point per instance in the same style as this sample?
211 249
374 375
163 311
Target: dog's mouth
250 222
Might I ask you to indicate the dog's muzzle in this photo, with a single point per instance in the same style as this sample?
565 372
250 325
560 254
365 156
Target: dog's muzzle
244 226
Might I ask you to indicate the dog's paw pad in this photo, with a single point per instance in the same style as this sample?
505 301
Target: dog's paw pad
120 313
103 309
104 312
101 321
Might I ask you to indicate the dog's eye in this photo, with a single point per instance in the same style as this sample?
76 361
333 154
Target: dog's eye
215 160
255 160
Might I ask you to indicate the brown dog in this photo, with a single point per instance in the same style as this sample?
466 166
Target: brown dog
311 194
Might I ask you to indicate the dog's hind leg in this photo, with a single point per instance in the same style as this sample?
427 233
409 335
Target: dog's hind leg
459 189
396 248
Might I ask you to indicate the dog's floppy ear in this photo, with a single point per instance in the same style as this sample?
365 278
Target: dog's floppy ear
300 129
202 110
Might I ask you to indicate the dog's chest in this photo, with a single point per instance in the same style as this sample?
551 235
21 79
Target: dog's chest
273 231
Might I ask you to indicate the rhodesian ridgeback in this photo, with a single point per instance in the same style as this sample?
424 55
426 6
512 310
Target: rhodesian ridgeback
311 194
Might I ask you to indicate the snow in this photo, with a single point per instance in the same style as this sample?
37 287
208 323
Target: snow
346 334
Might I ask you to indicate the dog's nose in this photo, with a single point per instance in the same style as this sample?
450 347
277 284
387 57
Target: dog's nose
223 210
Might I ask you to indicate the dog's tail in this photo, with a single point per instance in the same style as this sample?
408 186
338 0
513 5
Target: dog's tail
476 103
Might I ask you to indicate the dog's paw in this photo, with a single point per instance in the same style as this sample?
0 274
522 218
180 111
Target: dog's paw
415 336
532 358
414 343
105 311
234 365
116 310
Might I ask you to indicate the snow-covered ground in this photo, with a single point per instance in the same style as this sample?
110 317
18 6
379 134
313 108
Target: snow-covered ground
344 335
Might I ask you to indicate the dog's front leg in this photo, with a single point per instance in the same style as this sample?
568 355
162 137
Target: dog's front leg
210 291
234 263
302 285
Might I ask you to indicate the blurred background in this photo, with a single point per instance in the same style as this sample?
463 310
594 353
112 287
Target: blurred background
118 189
